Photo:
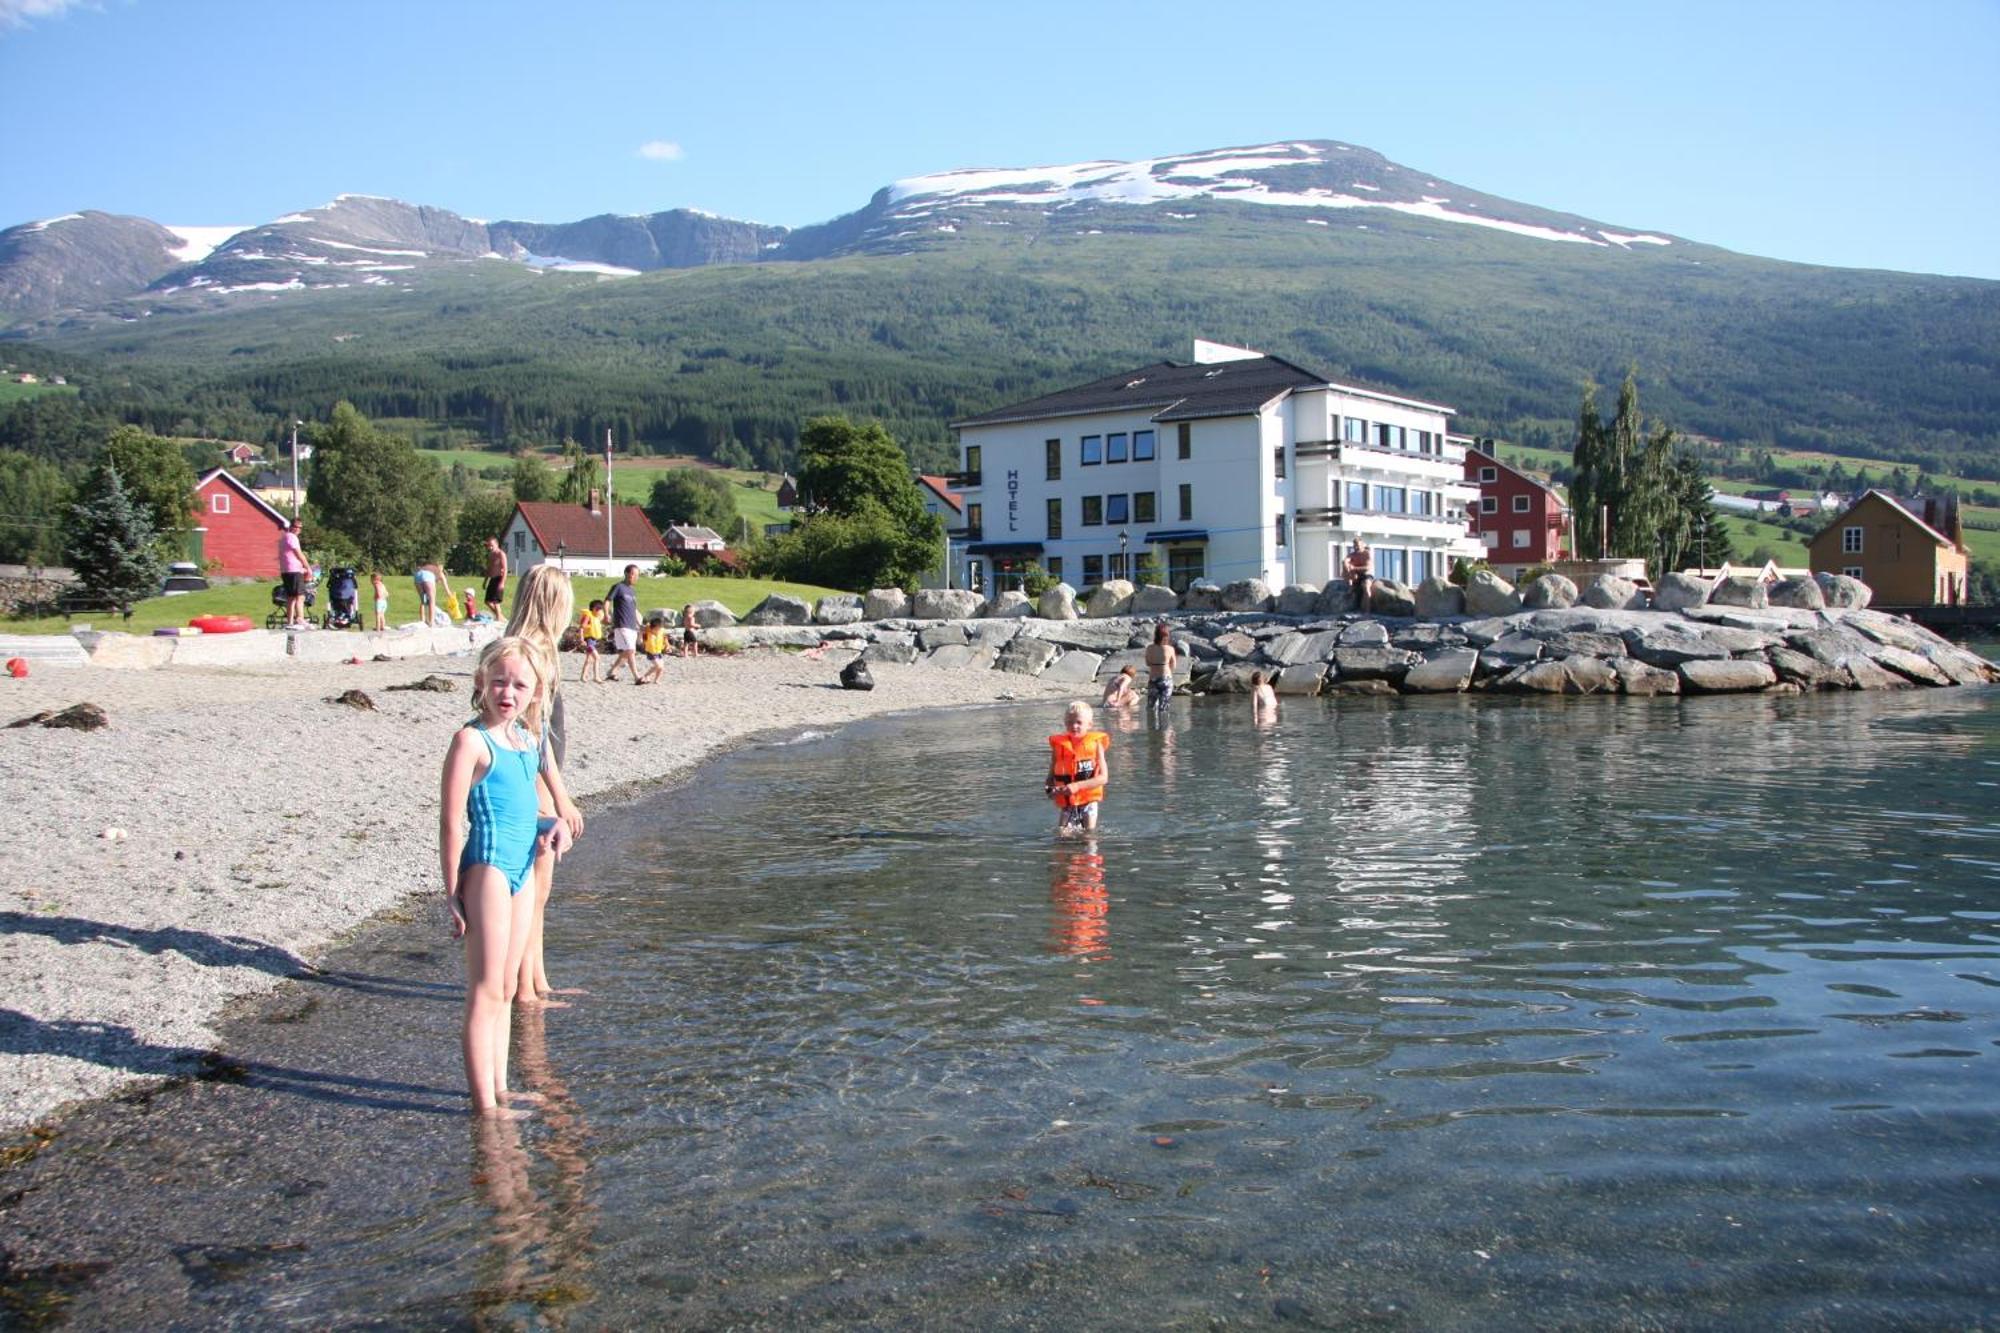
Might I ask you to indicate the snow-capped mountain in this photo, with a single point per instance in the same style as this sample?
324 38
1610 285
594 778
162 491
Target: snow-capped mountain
361 241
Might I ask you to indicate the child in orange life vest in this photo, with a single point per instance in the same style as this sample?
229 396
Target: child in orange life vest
1078 770
590 629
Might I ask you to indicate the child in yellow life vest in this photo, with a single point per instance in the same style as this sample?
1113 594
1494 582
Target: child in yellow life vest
1078 769
590 629
653 643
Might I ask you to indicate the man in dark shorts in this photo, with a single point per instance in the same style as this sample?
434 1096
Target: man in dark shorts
496 577
624 599
1360 573
292 570
1161 657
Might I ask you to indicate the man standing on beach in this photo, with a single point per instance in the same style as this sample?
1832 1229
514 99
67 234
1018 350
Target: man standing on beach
292 570
496 577
624 599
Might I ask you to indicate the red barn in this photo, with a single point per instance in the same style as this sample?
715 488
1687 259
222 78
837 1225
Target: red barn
1520 519
237 532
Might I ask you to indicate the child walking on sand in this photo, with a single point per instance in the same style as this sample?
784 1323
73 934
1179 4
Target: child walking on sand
488 836
590 629
1078 770
653 643
542 605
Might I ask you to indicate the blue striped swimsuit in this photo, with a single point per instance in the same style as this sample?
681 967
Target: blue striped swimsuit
504 811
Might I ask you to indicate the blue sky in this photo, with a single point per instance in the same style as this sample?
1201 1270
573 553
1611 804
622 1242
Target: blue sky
1829 132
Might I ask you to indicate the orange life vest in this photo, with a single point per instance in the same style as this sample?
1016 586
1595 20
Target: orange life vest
1079 759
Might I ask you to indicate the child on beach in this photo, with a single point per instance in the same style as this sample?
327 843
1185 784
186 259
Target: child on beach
690 646
542 605
488 837
381 591
653 643
590 628
1119 691
1263 699
1078 770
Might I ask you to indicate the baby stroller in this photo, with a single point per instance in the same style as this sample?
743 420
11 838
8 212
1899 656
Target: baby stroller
276 620
343 600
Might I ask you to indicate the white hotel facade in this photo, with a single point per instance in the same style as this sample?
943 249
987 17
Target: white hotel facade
1235 465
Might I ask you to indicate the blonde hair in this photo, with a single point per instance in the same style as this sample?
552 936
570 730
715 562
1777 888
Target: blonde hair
1078 708
543 605
521 649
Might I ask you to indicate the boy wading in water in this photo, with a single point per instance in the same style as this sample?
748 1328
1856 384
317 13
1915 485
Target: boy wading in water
1077 770
1161 658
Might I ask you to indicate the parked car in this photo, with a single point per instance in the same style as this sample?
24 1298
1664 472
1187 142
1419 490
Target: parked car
183 576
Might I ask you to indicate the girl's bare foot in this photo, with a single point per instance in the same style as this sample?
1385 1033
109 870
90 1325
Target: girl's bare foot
501 1112
524 1095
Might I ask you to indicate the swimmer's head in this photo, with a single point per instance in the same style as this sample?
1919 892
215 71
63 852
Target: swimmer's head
1077 716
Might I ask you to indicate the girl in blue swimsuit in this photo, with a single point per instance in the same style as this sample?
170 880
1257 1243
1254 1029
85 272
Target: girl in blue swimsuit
489 785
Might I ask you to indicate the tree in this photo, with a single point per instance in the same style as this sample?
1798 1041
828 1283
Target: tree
864 524
34 499
694 496
157 478
378 491
110 541
479 517
532 479
1586 484
582 477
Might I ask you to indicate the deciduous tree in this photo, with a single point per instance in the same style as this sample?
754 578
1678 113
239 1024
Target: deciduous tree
864 523
378 491
691 495
157 478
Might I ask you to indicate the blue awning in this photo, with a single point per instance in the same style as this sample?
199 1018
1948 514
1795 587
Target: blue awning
1172 535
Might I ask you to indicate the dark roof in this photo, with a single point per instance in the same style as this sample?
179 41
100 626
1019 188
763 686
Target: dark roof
574 527
1169 390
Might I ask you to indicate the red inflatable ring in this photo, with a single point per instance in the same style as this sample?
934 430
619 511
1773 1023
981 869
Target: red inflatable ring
221 624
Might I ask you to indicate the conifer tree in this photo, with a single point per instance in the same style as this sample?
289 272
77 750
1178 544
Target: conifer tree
110 541
1586 487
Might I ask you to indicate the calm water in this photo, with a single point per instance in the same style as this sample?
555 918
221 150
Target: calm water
1431 1013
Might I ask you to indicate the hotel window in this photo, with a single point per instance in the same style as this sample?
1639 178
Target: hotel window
1850 541
218 503
1142 507
1186 439
1391 499
1278 462
1091 450
1520 504
1055 517
1093 570
1391 564
1055 568
1354 430
1489 504
1487 474
1426 442
1281 530
1420 566
1357 495
1389 437
974 520
1052 449
1142 446
1093 511
1522 536
1114 447
1117 509
1185 564
1187 503
972 465
1421 503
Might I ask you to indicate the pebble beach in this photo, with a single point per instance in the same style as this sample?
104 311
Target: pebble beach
230 824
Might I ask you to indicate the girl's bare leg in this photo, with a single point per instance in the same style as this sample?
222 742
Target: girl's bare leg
488 924
533 978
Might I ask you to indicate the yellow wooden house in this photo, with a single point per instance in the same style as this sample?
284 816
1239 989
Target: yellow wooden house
1906 560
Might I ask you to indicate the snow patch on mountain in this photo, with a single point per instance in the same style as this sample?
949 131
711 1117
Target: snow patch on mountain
558 264
46 223
198 243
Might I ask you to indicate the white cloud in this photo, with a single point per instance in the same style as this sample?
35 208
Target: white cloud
655 150
19 13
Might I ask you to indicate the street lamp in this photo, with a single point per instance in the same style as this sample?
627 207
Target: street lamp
1124 570
562 550
296 423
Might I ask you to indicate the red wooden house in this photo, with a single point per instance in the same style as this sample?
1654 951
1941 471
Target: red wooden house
1521 521
236 531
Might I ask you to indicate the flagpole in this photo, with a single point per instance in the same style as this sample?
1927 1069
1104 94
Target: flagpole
610 503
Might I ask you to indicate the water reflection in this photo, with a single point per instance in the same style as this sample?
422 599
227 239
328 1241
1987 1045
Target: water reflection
1079 922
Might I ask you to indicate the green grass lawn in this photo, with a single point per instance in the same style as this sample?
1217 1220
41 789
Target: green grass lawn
1748 533
254 600
12 391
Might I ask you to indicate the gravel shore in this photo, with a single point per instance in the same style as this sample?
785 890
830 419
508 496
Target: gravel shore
231 823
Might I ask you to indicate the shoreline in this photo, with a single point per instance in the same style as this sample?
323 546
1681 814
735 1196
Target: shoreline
230 826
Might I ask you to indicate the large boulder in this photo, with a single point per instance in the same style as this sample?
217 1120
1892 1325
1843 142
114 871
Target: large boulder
1800 594
1386 597
712 615
897 651
1113 597
885 604
1202 595
1549 592
1247 595
1231 678
946 604
1298 599
1154 599
1335 599
1669 647
937 636
1026 656
1292 649
1057 603
1304 678
1234 646
1635 677
1840 590
779 609
1680 592
1740 590
839 608
1365 634
1608 592
1438 598
1009 605
1591 675
1487 594
1371 663
1730 675
1076 667
1807 671
1446 673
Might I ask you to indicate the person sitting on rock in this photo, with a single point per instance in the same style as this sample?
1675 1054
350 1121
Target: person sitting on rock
1360 573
